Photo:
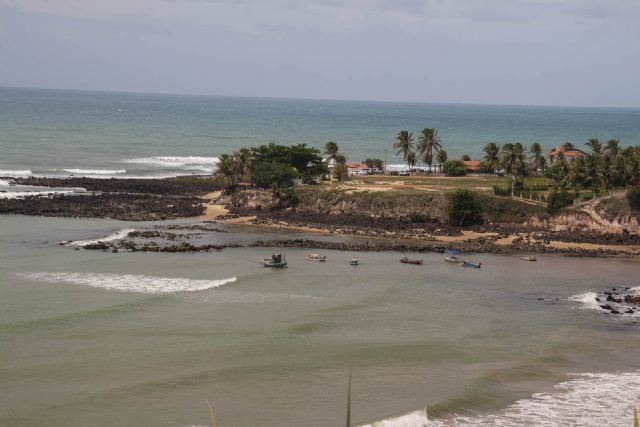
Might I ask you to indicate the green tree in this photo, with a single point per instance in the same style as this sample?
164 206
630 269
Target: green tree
374 163
510 155
633 196
537 157
491 158
465 158
428 144
442 158
244 157
454 168
228 169
595 145
465 208
404 144
331 149
612 148
558 200
273 174
341 172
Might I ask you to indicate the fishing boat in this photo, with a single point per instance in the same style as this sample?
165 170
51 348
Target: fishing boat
276 261
354 261
528 258
468 264
316 257
406 260
453 259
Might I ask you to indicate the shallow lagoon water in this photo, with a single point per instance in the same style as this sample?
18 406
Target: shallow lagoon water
273 348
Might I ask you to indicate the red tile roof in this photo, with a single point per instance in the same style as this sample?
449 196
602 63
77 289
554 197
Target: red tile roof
472 165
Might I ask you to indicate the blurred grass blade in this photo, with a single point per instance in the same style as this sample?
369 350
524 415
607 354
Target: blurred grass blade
349 401
213 418
635 417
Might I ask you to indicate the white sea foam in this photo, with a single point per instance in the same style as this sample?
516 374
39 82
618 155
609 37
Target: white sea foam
96 171
16 173
590 400
588 300
4 183
129 282
175 161
111 237
43 193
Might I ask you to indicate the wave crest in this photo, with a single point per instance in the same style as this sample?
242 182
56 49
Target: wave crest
129 282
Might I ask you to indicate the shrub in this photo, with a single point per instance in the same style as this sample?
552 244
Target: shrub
633 196
559 200
341 172
465 208
454 168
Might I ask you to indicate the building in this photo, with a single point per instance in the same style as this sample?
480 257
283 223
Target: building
472 165
570 154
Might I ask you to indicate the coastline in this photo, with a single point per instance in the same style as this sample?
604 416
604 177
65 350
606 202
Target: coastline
199 199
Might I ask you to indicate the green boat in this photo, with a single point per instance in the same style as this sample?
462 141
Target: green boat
276 261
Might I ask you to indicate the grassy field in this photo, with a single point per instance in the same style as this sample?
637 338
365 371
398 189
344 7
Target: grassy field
421 184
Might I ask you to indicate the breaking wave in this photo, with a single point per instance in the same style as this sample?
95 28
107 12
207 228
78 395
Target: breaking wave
96 171
113 236
129 282
4 183
590 400
618 302
15 173
189 162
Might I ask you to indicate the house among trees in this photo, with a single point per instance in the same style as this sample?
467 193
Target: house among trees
567 152
472 165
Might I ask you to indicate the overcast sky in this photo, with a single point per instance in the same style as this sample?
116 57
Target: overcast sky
549 52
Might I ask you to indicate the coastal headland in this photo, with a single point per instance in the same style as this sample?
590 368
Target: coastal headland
379 213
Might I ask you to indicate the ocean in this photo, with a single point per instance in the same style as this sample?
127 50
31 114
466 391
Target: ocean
92 338
53 132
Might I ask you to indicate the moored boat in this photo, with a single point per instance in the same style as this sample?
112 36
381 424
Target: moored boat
528 258
406 260
452 258
354 261
468 264
276 261
316 257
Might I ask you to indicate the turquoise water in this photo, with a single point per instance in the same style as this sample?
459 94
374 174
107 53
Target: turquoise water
52 132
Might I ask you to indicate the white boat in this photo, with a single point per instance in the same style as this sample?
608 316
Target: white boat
528 258
453 259
316 257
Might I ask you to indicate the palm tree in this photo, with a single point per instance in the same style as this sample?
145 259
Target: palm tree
442 157
404 142
228 169
612 148
411 159
491 158
244 158
331 149
536 155
511 155
595 145
428 142
568 146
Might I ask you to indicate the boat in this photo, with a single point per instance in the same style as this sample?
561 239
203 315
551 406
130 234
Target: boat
468 264
406 260
528 258
453 259
316 257
453 252
276 261
354 261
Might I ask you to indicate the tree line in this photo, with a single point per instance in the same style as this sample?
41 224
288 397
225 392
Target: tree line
428 148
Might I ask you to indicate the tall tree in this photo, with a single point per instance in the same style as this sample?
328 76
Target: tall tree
244 158
442 158
612 148
492 155
536 156
228 169
331 149
404 143
595 145
428 144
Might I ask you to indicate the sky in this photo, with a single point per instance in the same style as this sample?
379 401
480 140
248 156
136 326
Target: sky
522 52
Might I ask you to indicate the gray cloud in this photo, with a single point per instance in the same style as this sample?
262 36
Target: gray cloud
583 52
